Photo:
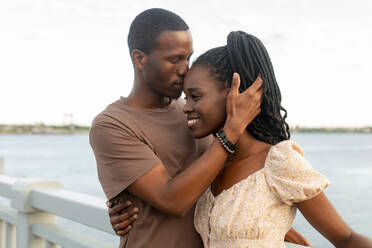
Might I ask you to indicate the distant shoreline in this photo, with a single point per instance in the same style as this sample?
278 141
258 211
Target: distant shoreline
43 129
298 129
77 129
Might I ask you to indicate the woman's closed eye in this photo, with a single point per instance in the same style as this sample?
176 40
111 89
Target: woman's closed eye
195 97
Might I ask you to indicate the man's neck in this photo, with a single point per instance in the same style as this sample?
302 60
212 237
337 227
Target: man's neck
145 98
146 103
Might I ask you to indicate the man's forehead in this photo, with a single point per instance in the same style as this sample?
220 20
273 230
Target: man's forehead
174 40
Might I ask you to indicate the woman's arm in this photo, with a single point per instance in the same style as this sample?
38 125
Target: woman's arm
323 217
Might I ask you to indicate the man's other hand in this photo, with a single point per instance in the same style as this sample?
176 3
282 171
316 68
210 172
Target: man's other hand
122 217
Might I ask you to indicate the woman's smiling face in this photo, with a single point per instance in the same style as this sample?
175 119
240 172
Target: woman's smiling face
206 101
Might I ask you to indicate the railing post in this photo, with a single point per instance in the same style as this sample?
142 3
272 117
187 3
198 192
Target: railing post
20 200
2 234
1 165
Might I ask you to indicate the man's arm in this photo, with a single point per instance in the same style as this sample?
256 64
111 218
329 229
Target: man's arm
177 195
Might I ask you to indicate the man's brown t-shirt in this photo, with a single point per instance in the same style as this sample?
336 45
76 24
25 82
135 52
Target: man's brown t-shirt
127 143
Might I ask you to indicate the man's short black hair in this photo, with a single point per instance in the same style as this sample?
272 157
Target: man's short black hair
148 25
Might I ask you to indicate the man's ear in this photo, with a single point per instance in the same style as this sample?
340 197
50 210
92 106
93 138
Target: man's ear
139 59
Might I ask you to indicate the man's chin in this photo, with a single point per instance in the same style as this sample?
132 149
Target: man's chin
175 95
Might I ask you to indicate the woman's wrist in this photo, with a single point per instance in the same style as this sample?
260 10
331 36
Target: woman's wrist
225 142
232 131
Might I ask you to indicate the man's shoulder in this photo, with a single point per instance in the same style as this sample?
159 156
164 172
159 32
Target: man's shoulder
111 124
114 113
119 115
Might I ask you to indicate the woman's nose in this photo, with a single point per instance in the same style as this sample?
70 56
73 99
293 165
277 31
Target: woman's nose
187 108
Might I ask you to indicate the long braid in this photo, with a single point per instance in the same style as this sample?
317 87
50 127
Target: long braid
246 55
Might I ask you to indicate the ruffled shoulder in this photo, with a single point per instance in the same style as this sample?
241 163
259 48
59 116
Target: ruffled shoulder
290 176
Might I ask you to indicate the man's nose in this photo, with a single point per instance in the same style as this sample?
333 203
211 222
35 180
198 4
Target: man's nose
183 69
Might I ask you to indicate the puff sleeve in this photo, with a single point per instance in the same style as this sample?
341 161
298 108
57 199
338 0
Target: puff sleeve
290 176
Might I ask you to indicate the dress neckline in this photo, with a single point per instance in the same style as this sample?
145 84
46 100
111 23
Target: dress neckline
234 185
241 181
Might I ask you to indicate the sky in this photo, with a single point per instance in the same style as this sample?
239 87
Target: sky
68 59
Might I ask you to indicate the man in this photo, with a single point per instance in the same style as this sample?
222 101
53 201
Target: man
144 151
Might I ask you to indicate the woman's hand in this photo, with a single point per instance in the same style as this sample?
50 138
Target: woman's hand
294 237
121 217
242 108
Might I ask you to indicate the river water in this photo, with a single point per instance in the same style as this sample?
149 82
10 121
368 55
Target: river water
346 159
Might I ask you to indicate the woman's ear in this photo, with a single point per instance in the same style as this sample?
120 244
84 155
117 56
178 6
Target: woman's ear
226 88
139 59
226 85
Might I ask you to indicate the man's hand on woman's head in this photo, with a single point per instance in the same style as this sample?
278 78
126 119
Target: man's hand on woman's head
122 217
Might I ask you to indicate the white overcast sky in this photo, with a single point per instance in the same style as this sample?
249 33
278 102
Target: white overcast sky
70 56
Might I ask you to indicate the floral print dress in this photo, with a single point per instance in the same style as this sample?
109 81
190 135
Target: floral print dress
258 210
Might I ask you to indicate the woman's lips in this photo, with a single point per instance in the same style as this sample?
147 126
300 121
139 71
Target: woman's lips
192 122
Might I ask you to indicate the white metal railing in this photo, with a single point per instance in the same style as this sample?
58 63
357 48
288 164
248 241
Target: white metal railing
30 220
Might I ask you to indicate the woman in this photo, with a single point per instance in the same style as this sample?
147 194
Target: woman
253 201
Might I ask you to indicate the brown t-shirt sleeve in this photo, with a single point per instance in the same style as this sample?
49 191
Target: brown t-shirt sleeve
122 157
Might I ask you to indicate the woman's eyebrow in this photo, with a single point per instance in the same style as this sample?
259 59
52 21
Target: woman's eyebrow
193 89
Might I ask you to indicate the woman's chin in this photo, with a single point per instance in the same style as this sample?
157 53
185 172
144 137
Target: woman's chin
198 134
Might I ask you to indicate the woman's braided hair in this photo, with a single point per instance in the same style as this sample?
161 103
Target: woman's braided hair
246 55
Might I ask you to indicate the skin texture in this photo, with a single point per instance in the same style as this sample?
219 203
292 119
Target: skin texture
159 75
322 216
250 157
122 217
206 103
